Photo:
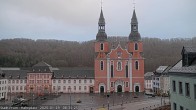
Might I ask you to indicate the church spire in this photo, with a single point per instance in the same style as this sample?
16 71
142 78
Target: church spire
134 35
101 35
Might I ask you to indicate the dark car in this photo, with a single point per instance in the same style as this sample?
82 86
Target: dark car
43 98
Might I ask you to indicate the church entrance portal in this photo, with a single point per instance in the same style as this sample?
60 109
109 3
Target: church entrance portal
101 89
136 88
119 88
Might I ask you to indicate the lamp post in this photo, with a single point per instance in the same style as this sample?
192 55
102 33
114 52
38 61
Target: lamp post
69 89
113 96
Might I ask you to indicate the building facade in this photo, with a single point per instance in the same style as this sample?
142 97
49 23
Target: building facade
74 80
39 79
161 80
148 81
3 86
183 81
119 69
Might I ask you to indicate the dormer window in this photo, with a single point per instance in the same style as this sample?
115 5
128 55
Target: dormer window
101 46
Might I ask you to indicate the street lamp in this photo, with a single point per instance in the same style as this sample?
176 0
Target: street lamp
69 89
113 96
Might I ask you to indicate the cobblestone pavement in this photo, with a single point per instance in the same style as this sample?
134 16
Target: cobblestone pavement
123 101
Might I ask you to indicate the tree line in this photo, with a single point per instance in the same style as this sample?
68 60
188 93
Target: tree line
21 52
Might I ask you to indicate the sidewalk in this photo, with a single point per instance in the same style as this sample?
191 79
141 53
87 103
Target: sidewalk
142 105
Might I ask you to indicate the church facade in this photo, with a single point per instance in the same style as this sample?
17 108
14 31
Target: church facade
119 69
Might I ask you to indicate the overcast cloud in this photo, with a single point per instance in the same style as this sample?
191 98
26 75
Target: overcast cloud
76 20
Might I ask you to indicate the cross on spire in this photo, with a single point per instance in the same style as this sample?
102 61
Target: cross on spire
101 4
134 4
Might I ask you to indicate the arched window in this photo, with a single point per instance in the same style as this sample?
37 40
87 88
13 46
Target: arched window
112 69
119 65
101 65
127 74
136 46
136 65
101 46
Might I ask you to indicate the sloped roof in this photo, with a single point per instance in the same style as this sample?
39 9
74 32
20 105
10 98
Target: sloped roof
42 67
15 74
189 49
74 73
160 69
178 68
148 75
42 63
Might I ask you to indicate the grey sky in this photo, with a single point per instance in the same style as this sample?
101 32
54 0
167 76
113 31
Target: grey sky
76 20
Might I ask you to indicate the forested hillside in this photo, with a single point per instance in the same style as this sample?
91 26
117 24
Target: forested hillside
27 52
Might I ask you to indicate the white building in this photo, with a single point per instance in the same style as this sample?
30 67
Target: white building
3 86
161 80
74 80
16 81
148 80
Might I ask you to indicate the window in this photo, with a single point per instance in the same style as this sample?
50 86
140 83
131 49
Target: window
20 87
136 65
74 81
9 81
64 87
187 89
59 81
64 81
54 81
181 108
101 47
90 80
74 87
53 87
101 65
85 81
112 84
79 81
79 87
16 87
13 81
127 84
59 87
180 88
119 65
174 106
17 81
136 46
84 87
126 71
112 71
69 81
174 86
119 54
12 87
195 91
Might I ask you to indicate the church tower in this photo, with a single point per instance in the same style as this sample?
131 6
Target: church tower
101 49
135 48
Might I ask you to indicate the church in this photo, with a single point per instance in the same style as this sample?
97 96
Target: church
118 69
